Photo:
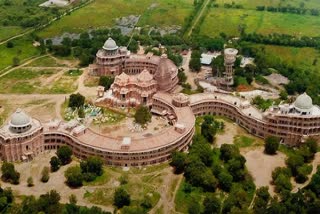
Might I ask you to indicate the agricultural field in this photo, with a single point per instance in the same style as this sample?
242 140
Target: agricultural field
229 20
252 4
102 14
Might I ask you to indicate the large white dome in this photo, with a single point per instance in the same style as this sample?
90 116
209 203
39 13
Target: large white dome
19 119
303 102
110 45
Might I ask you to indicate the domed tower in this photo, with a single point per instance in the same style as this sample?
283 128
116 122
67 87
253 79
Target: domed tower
166 74
303 104
229 59
22 138
109 59
20 122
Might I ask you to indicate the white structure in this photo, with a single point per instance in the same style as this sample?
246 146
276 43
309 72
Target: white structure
229 59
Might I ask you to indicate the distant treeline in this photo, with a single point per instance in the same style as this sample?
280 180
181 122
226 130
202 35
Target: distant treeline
289 9
282 39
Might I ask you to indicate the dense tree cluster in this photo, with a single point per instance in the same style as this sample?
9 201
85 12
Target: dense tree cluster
209 127
121 198
297 166
46 203
89 170
290 9
282 39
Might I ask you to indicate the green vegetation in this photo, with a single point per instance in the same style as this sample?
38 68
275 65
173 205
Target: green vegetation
96 16
232 21
76 101
55 164
262 103
23 49
243 141
9 174
27 81
106 82
45 175
271 145
142 115
45 61
64 154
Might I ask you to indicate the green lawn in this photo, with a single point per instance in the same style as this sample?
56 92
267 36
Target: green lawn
22 49
228 21
102 14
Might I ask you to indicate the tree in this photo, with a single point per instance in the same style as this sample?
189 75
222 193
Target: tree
225 181
9 174
9 44
261 200
194 207
195 64
228 151
212 205
64 153
91 168
293 162
55 163
121 198
74 176
178 161
106 82
45 174
208 128
73 199
30 181
142 115
81 113
271 145
76 100
15 61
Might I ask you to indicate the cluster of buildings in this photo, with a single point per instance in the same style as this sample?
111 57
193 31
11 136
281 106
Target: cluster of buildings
150 80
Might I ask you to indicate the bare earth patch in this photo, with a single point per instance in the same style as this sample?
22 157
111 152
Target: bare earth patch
261 166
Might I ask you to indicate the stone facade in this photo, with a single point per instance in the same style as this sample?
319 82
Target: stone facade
132 85
291 123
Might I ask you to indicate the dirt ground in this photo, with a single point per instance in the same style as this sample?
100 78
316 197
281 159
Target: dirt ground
121 129
261 166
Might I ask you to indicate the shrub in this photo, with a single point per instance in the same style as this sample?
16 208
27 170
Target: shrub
142 115
30 182
121 198
74 176
55 164
45 174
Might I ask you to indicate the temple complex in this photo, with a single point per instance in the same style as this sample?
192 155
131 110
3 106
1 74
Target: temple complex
137 77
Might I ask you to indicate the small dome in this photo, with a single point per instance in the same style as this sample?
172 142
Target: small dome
145 76
303 101
110 45
19 119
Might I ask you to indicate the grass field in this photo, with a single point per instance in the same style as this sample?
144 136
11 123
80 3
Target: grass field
228 21
7 32
45 62
252 4
102 14
298 57
28 81
22 49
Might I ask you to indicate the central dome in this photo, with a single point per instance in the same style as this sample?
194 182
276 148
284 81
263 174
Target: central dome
110 45
19 119
303 101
